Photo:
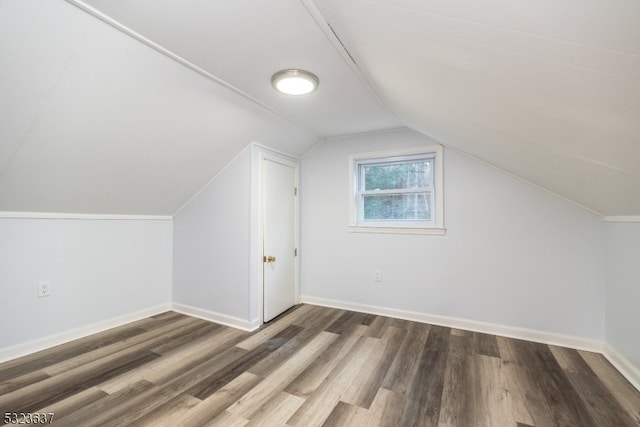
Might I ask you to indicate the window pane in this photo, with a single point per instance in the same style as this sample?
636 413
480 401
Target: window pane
390 176
385 207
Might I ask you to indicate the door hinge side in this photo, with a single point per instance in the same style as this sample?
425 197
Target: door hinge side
295 252
295 191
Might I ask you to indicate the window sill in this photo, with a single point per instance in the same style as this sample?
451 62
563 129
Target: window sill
397 230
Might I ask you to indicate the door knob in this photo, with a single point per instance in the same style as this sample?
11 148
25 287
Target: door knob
269 258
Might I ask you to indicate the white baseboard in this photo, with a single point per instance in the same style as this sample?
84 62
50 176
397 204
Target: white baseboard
63 337
466 324
223 319
626 368
622 364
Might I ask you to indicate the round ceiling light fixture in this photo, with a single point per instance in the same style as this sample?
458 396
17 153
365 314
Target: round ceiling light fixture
295 82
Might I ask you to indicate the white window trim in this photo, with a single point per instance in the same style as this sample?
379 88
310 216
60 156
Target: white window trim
438 223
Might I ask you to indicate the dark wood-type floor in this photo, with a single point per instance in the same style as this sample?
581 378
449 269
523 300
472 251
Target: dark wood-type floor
315 366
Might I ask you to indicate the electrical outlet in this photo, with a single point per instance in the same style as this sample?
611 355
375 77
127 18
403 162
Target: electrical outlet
377 276
44 289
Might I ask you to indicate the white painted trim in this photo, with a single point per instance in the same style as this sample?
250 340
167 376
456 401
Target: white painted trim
256 278
56 215
437 150
256 264
628 218
466 324
398 230
44 343
211 316
623 365
277 152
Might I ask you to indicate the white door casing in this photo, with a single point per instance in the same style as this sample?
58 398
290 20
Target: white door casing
279 236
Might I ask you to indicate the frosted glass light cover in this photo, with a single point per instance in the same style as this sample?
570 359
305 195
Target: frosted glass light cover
294 82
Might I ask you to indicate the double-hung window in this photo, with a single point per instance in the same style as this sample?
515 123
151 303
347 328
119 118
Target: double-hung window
399 191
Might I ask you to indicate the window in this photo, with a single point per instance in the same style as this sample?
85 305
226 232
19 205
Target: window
399 191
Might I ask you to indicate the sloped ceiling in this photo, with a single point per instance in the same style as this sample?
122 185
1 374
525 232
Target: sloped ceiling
94 121
547 90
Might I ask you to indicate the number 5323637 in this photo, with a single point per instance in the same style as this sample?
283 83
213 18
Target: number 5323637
28 418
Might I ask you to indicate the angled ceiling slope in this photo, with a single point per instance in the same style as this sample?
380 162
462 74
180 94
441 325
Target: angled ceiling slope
244 42
94 121
549 91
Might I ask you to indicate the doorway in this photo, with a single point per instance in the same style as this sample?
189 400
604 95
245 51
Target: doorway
279 219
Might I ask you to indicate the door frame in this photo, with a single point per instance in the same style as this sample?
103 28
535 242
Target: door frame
256 292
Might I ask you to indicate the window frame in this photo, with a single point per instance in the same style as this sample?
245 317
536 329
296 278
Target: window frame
356 196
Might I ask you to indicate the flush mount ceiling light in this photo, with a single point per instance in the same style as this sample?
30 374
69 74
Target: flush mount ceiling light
295 82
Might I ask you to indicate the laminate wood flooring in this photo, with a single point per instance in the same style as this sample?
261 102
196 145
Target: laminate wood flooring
315 366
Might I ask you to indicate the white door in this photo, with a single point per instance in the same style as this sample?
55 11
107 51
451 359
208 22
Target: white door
279 222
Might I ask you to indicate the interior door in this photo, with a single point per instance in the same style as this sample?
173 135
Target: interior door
279 237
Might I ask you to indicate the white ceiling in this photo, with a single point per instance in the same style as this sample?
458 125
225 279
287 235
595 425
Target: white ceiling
244 42
547 90
94 121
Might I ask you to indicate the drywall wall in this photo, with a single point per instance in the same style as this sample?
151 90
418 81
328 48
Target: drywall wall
216 235
512 255
212 245
98 270
623 290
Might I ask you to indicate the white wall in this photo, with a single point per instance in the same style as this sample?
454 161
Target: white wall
623 290
513 254
212 245
98 270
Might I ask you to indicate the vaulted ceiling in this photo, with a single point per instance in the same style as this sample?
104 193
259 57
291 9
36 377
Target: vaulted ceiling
131 106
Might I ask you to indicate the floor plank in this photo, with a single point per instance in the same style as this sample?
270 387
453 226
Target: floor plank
315 366
216 404
422 404
458 405
626 395
252 401
551 385
318 406
366 385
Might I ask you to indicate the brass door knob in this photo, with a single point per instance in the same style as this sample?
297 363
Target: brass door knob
269 258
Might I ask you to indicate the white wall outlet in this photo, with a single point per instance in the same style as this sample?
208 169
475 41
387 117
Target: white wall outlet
377 276
44 289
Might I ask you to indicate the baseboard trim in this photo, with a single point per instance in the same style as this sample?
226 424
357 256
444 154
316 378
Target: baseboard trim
466 324
211 316
39 344
622 364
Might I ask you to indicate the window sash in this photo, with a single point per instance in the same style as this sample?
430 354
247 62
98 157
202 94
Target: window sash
361 193
360 165
397 191
415 222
